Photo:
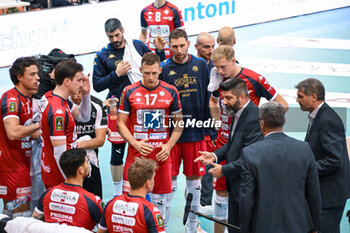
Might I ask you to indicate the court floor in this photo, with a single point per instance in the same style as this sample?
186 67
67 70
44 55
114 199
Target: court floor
285 52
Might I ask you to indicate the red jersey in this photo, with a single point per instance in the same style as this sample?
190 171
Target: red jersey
131 214
161 21
15 154
148 114
57 122
70 204
257 87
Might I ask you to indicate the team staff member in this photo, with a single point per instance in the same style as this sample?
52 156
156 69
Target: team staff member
16 132
115 67
160 17
68 203
326 136
279 188
189 75
94 134
133 206
57 119
244 131
147 105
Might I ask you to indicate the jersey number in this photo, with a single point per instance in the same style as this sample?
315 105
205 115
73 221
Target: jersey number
158 16
153 96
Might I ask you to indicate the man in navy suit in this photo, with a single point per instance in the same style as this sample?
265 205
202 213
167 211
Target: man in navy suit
326 136
279 181
245 130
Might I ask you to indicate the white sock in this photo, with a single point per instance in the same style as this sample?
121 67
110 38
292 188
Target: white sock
169 198
221 207
26 213
194 187
118 188
159 200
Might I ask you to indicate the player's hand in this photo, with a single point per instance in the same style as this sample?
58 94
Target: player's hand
216 171
213 143
205 157
108 101
85 89
36 134
164 153
123 68
159 42
142 147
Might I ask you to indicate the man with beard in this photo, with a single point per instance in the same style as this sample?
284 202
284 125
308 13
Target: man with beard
245 130
16 131
52 206
115 67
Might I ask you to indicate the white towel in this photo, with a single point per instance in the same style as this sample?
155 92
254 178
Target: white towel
91 154
133 57
215 80
32 225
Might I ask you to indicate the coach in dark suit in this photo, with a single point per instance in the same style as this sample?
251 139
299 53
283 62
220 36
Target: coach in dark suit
245 130
279 181
326 136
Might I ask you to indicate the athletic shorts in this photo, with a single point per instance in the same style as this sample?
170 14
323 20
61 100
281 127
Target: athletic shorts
162 179
220 183
93 184
187 152
117 153
14 184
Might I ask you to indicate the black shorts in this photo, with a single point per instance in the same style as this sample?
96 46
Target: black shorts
117 154
93 184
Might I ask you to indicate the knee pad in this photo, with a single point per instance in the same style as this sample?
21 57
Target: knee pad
117 154
221 207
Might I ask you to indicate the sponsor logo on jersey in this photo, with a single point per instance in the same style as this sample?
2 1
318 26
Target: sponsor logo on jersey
65 197
12 98
59 123
159 220
225 126
155 209
25 191
140 136
172 72
59 111
61 217
185 81
12 106
111 56
139 128
125 208
150 13
119 219
195 68
3 190
138 99
161 93
164 101
138 94
118 228
152 119
224 118
157 136
166 12
26 145
62 208
170 18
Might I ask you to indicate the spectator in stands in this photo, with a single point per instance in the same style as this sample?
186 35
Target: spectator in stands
68 203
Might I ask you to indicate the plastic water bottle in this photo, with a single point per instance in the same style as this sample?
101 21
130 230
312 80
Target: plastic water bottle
113 108
11 205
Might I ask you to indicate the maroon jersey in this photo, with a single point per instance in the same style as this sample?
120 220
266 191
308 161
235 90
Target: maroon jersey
161 21
257 87
15 154
57 123
70 204
148 114
131 214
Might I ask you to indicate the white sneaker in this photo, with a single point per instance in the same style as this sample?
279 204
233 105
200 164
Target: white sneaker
207 210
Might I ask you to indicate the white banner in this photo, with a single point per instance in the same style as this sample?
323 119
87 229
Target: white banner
80 29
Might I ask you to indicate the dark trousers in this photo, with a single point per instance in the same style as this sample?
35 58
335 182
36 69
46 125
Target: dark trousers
233 213
330 219
93 184
207 187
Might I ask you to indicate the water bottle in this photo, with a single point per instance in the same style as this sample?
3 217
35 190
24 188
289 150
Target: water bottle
12 205
113 108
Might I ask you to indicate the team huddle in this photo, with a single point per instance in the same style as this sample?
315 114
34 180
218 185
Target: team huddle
172 108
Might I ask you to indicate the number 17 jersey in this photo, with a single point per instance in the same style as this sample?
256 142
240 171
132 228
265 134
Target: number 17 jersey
148 111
